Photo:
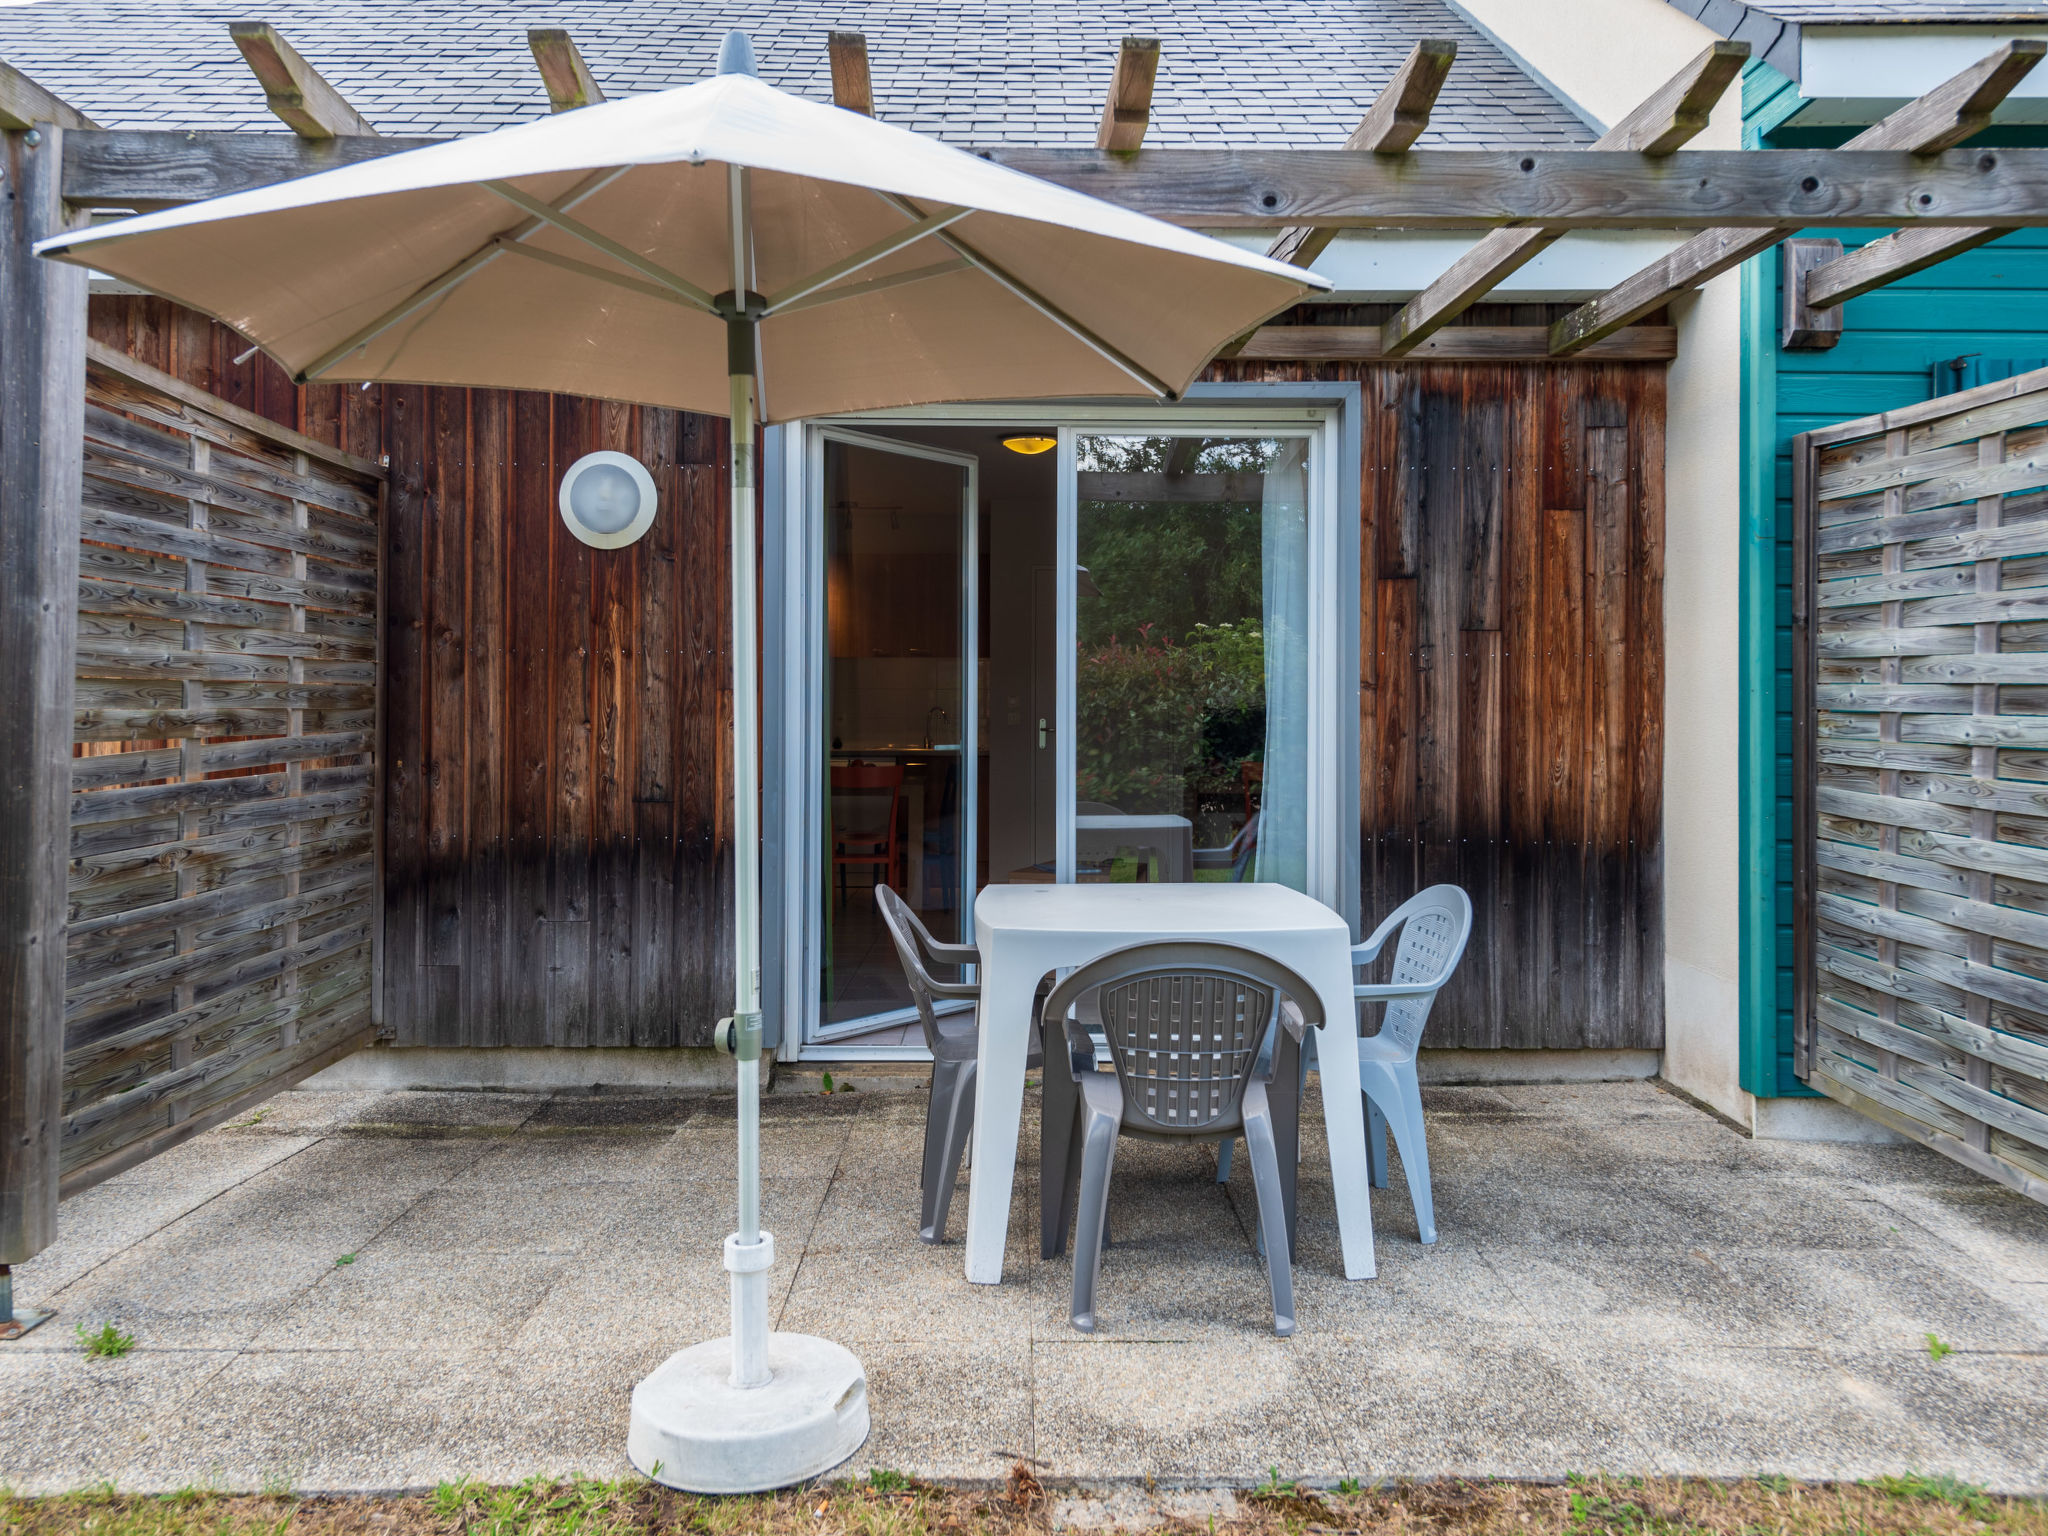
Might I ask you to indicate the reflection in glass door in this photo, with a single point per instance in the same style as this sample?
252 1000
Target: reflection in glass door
1190 666
899 775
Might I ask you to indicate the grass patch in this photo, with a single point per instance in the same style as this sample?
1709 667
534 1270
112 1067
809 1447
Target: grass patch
105 1342
894 1504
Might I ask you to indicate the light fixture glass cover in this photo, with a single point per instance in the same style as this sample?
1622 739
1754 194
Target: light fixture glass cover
608 499
1030 442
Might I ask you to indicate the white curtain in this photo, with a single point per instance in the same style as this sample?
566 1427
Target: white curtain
1283 815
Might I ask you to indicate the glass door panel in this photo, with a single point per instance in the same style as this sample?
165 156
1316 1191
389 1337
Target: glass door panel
899 695
1190 598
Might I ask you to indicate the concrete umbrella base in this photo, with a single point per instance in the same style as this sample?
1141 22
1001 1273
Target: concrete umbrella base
692 1429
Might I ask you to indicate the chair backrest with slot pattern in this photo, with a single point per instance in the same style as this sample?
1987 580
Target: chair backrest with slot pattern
1184 1024
1434 931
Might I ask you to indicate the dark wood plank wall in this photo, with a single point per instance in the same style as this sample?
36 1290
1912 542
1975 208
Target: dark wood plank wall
558 848
559 851
556 802
1511 649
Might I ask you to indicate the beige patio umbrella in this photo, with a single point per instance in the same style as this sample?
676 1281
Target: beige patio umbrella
724 247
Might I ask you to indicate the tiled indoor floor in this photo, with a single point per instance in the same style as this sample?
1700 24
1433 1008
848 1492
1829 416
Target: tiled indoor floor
1623 1283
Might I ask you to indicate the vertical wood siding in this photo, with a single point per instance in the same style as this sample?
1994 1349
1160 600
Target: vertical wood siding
558 835
558 839
559 856
1511 651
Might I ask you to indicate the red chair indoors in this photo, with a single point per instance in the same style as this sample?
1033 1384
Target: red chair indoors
865 800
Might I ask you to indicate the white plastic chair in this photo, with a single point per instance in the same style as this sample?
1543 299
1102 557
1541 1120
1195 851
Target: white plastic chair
1435 926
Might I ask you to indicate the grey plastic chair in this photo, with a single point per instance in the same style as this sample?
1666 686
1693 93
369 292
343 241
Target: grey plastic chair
1184 1024
954 1041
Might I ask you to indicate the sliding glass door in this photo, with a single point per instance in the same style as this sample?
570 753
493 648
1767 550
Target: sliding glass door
1187 666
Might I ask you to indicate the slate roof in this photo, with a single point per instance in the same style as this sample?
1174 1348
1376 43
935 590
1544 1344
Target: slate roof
1275 73
1771 27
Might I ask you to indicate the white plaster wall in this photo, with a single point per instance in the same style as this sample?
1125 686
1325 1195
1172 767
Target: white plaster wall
1607 54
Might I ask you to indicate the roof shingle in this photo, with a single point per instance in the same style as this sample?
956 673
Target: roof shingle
1279 74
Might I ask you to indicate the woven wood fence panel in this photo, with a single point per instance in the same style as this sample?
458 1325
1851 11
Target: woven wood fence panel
1922 780
224 797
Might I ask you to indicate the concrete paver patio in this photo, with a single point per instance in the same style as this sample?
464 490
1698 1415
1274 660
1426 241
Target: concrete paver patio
1623 1283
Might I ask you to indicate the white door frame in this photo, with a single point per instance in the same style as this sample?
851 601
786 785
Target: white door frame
1327 413
816 727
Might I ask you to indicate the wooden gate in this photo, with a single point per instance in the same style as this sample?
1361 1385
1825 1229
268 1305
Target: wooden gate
223 889
1921 772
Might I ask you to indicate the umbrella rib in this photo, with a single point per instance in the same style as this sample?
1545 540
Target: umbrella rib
1023 290
548 214
431 290
874 285
740 223
826 276
597 273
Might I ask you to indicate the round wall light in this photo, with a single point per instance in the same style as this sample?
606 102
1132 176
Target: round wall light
1030 443
608 499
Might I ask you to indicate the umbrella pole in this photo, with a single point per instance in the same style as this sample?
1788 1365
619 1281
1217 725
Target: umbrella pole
752 1411
749 1252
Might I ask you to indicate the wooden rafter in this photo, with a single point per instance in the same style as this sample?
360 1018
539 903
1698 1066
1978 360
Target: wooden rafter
1457 343
1937 121
23 103
1886 260
1127 110
1667 119
1394 121
568 79
853 86
296 91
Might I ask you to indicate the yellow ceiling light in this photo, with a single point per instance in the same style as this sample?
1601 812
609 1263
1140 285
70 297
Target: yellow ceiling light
1029 443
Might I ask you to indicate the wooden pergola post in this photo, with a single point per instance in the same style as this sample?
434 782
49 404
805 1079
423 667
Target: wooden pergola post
42 425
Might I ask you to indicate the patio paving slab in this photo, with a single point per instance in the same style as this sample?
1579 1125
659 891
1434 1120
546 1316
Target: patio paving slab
1622 1283
1176 1412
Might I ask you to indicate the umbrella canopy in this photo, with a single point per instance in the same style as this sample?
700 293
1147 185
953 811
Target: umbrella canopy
582 253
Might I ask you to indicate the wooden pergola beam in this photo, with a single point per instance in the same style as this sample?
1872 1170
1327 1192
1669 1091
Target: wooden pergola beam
1259 189
296 91
23 103
1937 121
853 86
1127 110
1394 121
568 79
1667 119
1473 189
1886 260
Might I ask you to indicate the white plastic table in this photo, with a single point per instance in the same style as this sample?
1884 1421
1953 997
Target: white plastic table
1024 931
1171 837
